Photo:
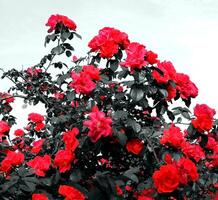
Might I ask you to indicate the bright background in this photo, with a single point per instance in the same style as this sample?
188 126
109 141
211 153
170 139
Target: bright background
183 31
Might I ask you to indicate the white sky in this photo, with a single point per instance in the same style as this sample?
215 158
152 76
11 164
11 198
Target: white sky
183 31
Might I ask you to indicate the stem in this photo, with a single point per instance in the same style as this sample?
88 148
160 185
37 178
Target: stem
153 150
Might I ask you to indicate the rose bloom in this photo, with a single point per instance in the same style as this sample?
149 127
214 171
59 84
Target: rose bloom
40 164
92 72
63 160
135 56
4 128
39 197
35 117
99 125
39 126
37 146
213 161
171 92
204 120
108 41
59 96
8 98
82 83
134 146
187 171
212 144
70 193
70 140
12 159
33 71
19 132
193 151
55 19
146 194
151 57
166 179
168 70
172 136
185 86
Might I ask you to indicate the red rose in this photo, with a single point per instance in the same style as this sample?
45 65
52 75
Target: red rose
119 190
151 57
92 72
8 98
33 71
12 159
108 41
212 144
37 146
39 197
193 151
204 120
70 193
70 140
19 132
40 164
55 19
187 171
108 49
185 86
82 83
213 161
168 70
172 136
35 117
59 95
4 128
171 92
134 146
39 126
99 125
135 56
63 160
166 179
146 194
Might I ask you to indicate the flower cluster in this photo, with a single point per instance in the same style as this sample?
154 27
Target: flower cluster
108 41
110 130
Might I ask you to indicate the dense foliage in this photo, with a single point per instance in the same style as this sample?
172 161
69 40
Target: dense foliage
110 130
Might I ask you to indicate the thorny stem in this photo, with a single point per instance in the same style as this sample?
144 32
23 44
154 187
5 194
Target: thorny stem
153 150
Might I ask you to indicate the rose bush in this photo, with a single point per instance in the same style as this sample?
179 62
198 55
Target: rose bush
110 130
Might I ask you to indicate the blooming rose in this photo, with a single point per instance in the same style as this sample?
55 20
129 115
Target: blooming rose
146 194
39 126
92 72
135 56
193 151
70 193
35 117
171 92
37 145
172 136
151 57
108 41
187 171
166 179
4 128
204 120
134 146
59 96
212 144
39 197
12 159
168 70
82 83
40 164
185 86
33 71
19 132
99 125
213 161
8 98
70 140
63 160
55 19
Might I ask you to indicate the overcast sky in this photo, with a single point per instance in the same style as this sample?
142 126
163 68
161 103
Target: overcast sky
183 31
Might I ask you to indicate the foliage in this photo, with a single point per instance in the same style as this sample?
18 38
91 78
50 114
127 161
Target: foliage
109 131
